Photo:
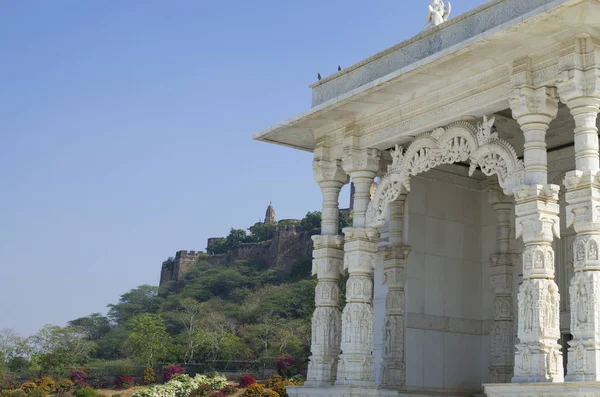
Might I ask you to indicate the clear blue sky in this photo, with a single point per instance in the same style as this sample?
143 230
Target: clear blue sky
125 132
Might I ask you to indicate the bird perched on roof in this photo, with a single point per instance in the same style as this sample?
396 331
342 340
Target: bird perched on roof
339 68
319 76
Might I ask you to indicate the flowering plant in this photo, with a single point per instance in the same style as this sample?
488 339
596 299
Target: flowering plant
286 365
78 377
149 376
172 370
64 385
247 380
182 386
28 387
125 382
254 390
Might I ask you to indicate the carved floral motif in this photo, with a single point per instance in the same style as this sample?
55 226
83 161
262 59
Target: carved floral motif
458 142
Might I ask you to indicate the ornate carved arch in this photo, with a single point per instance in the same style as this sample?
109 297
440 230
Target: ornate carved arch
459 142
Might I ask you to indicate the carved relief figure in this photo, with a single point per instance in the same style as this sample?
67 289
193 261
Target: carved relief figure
593 250
580 251
528 315
364 329
388 338
526 361
438 13
582 305
539 260
333 330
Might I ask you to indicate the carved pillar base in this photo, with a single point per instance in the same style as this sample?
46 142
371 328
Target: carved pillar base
583 198
326 321
393 368
538 357
356 363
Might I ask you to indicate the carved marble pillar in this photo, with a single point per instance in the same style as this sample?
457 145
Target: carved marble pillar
579 88
328 261
393 367
538 357
501 272
356 363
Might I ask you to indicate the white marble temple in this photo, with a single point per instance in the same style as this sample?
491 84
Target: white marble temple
474 267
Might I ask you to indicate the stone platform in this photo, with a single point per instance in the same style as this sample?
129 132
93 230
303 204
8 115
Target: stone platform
567 389
340 391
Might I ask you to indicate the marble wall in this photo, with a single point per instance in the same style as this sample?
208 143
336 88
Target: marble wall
451 229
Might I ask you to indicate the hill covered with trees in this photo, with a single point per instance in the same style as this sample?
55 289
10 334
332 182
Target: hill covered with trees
238 312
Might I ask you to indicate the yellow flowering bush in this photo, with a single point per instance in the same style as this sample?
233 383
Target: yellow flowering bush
28 387
279 387
64 385
270 393
254 390
149 376
272 381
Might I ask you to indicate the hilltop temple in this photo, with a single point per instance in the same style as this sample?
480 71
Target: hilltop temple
474 265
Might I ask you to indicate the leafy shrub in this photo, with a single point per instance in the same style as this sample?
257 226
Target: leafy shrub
202 391
78 376
270 393
279 387
229 390
286 366
125 382
38 392
28 387
6 393
297 380
64 385
85 392
170 371
149 376
272 381
254 390
46 383
116 395
9 382
247 380
18 393
184 386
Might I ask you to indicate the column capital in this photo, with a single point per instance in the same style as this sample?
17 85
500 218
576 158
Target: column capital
533 105
583 198
578 81
396 253
369 234
361 163
329 172
537 212
328 241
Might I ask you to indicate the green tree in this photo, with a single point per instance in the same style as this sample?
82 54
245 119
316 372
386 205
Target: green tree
143 299
261 232
344 220
54 348
148 341
190 317
236 237
311 222
95 325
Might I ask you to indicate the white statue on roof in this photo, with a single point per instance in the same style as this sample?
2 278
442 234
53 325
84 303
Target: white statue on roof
438 13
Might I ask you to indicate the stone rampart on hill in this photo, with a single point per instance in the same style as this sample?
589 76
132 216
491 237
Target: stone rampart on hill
288 245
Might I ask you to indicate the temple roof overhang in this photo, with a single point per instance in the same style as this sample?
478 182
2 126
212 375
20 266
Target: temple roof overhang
460 68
